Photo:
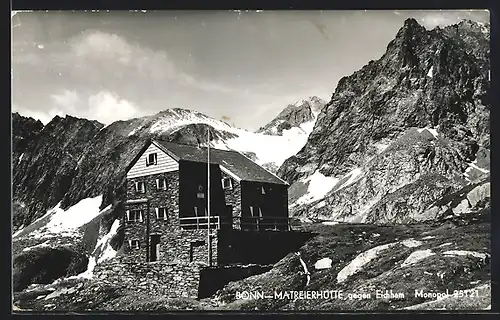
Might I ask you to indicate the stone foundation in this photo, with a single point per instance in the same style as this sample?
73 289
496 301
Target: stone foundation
153 278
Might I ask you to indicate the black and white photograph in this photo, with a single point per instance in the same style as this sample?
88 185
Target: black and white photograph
250 160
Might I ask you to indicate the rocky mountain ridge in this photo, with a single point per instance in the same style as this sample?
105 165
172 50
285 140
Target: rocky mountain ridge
302 114
419 112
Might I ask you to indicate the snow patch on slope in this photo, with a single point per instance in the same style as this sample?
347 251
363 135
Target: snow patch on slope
66 222
324 263
429 74
102 252
411 243
466 253
176 118
473 165
44 244
354 176
104 244
417 256
433 131
319 186
268 148
360 261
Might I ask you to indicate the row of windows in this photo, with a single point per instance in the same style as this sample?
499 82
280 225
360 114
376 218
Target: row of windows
138 215
161 184
255 211
152 159
140 186
161 213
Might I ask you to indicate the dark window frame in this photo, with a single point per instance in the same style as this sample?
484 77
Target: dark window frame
151 159
227 187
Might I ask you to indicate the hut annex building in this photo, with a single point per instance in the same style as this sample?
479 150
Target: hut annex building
171 188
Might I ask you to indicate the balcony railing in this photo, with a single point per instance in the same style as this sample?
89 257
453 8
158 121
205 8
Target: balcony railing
243 223
200 222
264 223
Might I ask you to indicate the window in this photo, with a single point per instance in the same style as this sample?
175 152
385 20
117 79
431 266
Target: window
200 213
133 244
200 195
161 213
161 184
140 187
254 211
151 159
135 215
227 184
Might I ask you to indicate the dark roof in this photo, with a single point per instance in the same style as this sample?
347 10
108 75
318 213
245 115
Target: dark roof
233 161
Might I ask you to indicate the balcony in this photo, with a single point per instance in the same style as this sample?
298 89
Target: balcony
197 223
240 223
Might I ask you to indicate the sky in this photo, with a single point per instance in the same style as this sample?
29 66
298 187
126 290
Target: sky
241 67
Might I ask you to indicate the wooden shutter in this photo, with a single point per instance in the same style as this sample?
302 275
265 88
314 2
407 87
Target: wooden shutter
128 215
251 210
157 184
136 186
140 215
130 244
263 191
260 212
157 214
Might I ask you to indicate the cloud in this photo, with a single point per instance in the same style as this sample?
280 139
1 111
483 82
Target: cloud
67 100
443 18
112 51
104 106
107 107
43 116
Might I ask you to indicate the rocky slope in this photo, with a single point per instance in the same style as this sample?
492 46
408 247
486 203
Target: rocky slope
24 130
357 259
50 159
301 114
418 115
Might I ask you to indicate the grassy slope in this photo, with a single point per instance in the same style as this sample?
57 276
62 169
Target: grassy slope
341 243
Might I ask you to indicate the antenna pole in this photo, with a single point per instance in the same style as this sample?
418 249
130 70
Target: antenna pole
209 242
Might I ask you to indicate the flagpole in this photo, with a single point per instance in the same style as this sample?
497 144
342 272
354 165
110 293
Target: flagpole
208 199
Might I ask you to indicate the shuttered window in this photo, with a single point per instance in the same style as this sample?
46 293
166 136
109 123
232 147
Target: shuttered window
133 244
161 213
151 159
161 184
227 184
135 215
140 187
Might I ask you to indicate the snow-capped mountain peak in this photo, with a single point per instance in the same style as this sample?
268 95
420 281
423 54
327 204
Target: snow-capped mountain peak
300 115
